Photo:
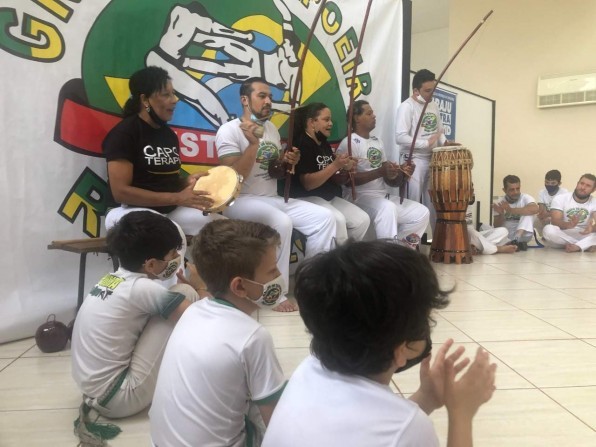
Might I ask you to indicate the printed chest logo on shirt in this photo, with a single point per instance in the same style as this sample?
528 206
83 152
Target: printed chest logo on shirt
324 160
375 157
582 213
267 151
429 122
161 156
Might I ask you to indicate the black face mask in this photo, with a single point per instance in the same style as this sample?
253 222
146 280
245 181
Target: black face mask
552 189
320 136
156 119
413 362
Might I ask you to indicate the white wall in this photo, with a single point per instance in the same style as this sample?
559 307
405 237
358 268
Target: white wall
523 40
430 50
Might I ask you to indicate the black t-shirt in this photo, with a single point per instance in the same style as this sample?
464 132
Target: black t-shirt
152 152
313 158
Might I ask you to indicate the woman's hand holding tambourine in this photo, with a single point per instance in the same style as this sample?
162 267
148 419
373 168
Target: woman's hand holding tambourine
194 199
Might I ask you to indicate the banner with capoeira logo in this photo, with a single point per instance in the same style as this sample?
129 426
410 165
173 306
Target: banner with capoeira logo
66 66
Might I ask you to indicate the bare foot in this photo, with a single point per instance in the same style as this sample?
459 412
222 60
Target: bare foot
592 249
286 306
474 250
572 248
506 248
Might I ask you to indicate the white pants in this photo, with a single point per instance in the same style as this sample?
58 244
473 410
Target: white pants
392 219
190 220
558 238
315 222
136 392
487 241
525 223
419 184
351 221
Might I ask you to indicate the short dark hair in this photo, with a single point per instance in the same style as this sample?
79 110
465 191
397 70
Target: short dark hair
364 299
227 248
553 174
142 235
357 110
246 87
421 77
511 179
589 177
304 113
144 82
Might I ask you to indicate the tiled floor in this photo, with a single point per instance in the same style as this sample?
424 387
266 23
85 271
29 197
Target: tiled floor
535 312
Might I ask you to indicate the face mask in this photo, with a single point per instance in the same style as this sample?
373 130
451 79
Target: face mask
320 136
420 99
156 119
552 189
272 291
510 200
413 362
170 269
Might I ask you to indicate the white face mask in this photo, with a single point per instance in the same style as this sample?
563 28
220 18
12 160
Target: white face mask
419 98
272 292
170 269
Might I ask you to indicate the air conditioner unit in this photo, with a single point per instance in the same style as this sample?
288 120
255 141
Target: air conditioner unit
570 90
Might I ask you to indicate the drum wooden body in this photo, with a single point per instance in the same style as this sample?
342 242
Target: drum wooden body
451 191
223 185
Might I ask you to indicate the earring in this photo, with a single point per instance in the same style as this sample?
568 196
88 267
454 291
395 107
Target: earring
148 108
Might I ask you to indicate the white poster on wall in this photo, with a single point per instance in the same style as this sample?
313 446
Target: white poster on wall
65 74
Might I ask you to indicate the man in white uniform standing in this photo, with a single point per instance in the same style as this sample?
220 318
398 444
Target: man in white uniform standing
250 144
430 135
571 216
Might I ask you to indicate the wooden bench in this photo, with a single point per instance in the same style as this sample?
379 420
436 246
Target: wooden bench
83 247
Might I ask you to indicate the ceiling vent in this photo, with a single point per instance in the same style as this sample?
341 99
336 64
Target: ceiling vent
571 90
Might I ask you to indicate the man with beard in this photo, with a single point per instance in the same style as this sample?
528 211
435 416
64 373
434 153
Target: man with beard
251 144
515 211
571 214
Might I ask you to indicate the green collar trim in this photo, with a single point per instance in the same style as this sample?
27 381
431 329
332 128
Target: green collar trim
224 302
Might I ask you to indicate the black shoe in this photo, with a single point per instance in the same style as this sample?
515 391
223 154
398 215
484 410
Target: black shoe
522 246
513 242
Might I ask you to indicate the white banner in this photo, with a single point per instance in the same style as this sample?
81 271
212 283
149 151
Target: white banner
65 70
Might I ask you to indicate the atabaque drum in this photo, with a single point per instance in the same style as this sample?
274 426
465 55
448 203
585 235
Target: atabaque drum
451 191
223 185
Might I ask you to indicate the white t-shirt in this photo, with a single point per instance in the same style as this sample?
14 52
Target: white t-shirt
230 141
217 360
370 155
324 408
512 220
546 199
567 204
408 114
109 324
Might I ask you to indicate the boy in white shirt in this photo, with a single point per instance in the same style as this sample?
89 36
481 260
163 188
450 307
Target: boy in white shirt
368 306
220 378
122 328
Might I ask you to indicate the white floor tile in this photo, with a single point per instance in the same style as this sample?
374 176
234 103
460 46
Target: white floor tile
475 300
577 400
549 363
14 349
577 322
562 280
541 299
523 418
503 325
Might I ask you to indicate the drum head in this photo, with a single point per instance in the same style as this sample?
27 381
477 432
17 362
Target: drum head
449 148
221 183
